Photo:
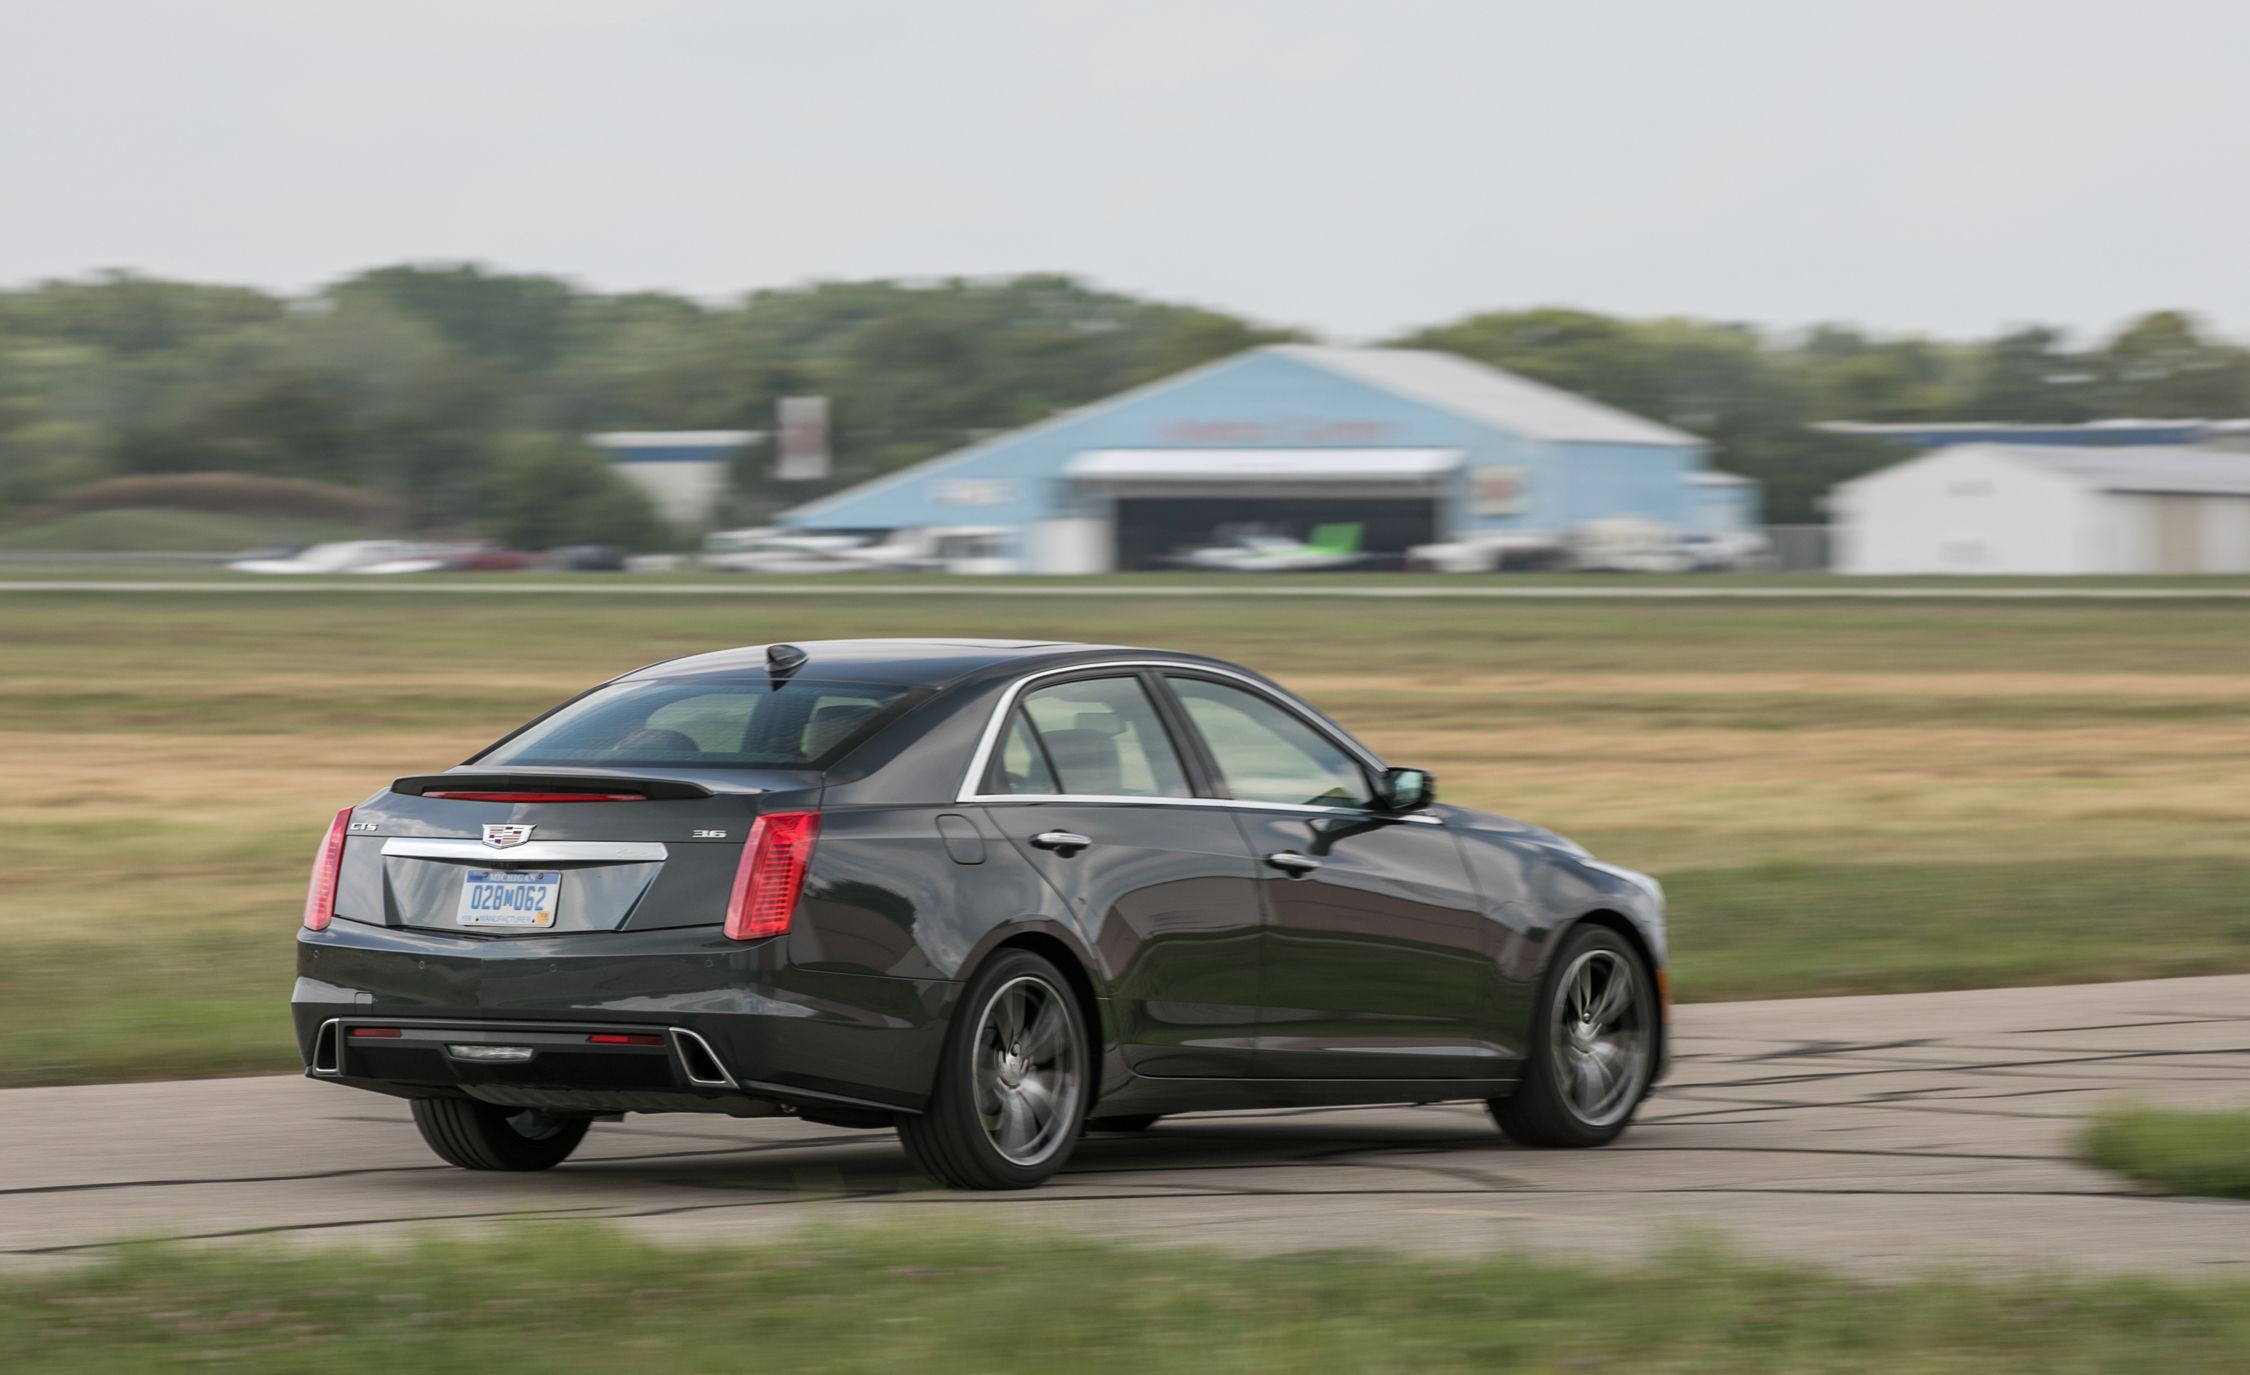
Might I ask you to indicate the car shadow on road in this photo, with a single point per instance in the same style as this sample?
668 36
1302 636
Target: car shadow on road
1187 1153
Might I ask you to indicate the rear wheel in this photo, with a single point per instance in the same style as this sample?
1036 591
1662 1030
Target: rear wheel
1127 1122
1012 1085
1592 1048
484 1136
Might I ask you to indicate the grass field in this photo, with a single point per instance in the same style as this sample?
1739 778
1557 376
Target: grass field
2178 1151
166 531
562 1299
1841 797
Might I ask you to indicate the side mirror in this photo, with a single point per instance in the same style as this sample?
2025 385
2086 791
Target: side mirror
1406 790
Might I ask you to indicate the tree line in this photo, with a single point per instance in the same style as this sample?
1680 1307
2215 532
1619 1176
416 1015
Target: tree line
460 393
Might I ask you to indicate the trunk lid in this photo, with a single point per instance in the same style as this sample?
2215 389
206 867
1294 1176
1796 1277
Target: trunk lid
521 853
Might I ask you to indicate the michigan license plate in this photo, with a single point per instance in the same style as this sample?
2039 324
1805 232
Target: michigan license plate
509 897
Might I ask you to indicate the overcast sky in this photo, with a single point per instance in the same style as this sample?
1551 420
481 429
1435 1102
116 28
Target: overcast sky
1947 167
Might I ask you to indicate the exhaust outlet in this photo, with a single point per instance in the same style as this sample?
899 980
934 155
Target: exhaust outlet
699 1062
326 1057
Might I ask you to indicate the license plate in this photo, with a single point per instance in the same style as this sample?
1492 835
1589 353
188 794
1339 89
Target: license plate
509 897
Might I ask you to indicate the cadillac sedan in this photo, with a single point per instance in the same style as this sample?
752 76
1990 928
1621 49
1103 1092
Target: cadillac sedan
990 894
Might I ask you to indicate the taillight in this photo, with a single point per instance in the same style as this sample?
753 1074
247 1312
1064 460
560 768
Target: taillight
320 896
771 874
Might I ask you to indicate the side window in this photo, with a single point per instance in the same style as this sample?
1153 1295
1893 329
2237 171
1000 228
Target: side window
1021 766
1103 739
1268 754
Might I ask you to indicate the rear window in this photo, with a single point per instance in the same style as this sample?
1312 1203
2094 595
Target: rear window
703 724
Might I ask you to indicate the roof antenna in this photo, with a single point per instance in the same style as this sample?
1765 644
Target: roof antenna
783 660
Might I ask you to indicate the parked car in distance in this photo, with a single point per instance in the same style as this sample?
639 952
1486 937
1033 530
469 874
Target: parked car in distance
975 549
988 893
344 556
1728 551
1491 551
586 558
1627 544
454 556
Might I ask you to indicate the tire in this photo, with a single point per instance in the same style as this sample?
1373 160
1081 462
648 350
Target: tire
1585 1075
476 1135
1017 1041
1128 1122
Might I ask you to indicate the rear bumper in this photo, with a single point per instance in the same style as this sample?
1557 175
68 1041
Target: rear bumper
773 1033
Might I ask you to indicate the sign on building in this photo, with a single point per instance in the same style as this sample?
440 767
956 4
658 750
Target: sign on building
801 442
1499 491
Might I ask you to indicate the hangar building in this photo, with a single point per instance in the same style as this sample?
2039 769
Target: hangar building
1410 446
2001 508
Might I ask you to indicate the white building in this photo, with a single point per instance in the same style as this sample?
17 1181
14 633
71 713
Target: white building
684 472
1999 508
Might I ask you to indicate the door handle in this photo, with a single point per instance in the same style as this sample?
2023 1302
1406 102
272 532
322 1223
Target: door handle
1292 862
1061 841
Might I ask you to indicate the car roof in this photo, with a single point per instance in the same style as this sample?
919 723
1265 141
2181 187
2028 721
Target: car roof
921 663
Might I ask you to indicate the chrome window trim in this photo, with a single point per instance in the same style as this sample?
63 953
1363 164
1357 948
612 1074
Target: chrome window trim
530 852
980 761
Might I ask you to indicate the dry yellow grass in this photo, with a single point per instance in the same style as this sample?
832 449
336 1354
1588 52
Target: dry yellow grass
1705 797
99 828
2208 687
204 806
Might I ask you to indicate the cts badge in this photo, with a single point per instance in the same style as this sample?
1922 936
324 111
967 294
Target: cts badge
506 837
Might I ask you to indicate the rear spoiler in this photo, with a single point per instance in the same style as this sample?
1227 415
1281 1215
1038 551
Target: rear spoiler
550 787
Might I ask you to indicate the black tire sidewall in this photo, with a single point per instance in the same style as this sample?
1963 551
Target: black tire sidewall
478 1136
1540 1114
952 1144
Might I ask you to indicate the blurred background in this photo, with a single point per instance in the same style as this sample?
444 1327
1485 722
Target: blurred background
505 278
1857 396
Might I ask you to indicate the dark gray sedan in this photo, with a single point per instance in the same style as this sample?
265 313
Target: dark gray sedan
989 893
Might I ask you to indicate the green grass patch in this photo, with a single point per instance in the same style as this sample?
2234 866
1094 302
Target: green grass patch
568 1299
87 631
93 1010
153 531
2180 1151
1793 930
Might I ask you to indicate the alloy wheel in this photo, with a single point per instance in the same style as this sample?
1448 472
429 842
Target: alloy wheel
1029 1070
1601 1037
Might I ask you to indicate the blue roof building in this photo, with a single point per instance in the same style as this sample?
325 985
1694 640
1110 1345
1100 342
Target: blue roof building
1412 446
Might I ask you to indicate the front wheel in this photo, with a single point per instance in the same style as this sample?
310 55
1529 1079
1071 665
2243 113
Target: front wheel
477 1135
1592 1049
1013 1084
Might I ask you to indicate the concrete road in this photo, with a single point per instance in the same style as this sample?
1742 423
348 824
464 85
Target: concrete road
1871 1133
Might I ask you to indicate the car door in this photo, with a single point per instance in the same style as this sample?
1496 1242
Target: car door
1088 783
1378 959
